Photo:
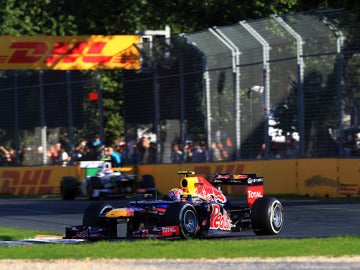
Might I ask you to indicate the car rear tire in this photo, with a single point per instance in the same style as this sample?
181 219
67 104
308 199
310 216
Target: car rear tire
68 188
188 221
267 216
93 183
147 181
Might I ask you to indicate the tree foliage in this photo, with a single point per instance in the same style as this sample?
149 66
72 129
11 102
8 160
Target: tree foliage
42 17
86 17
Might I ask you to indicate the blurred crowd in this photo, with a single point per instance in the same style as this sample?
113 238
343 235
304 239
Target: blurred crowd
144 151
194 151
141 152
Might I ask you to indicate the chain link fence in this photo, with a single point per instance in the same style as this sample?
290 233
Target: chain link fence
279 87
41 109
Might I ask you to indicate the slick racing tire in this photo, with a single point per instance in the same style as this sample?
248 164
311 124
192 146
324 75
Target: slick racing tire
147 181
68 188
188 221
267 216
93 215
92 184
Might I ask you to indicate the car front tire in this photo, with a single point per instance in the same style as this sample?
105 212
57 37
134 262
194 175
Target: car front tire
188 221
94 212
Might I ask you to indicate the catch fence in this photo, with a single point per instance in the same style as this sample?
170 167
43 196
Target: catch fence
279 87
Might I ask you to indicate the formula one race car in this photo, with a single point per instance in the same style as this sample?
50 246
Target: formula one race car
198 208
101 181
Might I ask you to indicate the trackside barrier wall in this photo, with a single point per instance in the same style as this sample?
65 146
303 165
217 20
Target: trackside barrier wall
313 177
33 180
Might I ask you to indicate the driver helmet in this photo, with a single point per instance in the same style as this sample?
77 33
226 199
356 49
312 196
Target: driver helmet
175 194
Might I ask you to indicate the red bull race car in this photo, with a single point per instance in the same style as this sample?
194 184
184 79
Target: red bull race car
198 208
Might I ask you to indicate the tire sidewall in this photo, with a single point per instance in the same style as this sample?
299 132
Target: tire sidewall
68 188
262 216
276 204
93 213
188 231
147 181
93 183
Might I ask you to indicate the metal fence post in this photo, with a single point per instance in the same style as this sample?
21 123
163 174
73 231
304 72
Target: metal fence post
208 107
266 74
339 78
300 82
236 84
207 92
42 117
182 100
156 110
100 106
16 117
70 112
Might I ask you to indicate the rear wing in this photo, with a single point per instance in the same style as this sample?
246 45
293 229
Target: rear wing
102 165
237 179
254 184
198 185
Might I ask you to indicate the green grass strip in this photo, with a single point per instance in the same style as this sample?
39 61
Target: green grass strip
11 234
189 249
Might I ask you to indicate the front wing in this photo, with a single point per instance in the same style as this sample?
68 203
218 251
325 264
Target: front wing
101 233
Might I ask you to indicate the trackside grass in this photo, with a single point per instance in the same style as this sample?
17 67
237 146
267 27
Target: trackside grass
10 234
190 249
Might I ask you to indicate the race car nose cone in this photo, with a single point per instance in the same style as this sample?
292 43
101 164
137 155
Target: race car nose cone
120 212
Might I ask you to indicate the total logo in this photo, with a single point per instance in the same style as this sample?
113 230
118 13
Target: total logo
254 194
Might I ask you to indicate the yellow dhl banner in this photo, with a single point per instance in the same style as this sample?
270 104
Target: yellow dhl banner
69 52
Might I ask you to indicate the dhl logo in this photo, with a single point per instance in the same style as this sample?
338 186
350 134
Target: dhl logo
349 190
65 53
206 170
26 182
228 168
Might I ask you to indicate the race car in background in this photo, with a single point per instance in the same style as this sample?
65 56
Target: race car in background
198 208
102 181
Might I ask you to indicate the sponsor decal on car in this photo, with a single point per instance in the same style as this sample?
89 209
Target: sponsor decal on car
219 219
253 193
169 231
207 191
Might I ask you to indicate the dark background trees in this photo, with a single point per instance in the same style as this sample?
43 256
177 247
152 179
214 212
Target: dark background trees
110 17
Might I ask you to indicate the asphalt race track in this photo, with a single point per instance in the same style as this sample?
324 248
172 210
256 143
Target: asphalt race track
303 219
